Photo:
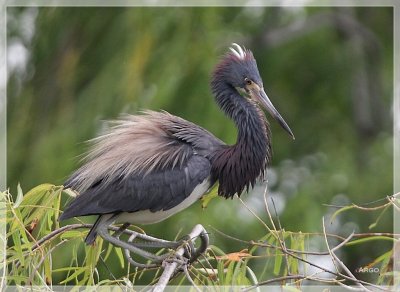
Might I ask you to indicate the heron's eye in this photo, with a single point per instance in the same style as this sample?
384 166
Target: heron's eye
248 81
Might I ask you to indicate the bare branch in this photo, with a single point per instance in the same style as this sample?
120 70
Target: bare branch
171 266
336 260
58 232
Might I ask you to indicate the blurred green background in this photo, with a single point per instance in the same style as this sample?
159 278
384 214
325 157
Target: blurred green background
329 71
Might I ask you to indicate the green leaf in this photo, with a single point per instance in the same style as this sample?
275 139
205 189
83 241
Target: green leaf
217 250
18 247
206 199
47 269
229 274
120 256
17 226
252 276
71 234
373 225
371 238
110 248
221 272
20 196
74 275
278 262
37 193
334 215
66 269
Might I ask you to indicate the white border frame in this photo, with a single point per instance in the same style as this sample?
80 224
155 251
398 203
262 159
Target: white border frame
205 3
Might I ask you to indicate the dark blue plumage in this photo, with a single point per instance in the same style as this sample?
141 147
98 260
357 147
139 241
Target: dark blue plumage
150 166
159 190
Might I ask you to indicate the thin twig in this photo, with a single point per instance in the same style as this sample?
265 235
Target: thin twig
282 242
209 272
262 244
334 273
272 232
343 243
26 231
266 207
258 218
59 231
336 260
350 288
390 199
186 272
327 245
42 260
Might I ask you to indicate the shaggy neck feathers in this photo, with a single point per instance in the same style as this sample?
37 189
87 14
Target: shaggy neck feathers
237 167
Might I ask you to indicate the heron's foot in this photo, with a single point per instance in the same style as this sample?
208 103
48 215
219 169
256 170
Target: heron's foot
187 243
191 252
176 258
141 245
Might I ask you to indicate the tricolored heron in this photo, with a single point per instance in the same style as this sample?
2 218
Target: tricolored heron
148 167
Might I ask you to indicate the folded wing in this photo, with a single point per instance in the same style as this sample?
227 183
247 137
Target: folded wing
146 162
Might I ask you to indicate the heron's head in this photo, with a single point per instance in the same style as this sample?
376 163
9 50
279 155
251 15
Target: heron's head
238 69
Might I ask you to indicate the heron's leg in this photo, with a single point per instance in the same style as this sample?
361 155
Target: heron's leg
204 242
102 230
147 241
138 242
186 242
153 242
121 230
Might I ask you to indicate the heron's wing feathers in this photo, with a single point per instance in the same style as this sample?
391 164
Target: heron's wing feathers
141 144
203 141
158 190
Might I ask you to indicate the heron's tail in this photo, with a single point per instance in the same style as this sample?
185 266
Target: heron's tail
91 237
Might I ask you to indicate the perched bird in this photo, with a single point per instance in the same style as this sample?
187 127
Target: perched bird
148 167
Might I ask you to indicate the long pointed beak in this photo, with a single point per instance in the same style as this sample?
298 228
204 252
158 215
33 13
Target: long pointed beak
263 99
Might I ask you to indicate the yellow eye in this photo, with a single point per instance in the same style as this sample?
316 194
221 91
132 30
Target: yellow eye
248 81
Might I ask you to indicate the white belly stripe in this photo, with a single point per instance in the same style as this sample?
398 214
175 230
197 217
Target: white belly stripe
148 217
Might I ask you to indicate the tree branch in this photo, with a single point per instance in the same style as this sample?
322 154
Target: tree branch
171 265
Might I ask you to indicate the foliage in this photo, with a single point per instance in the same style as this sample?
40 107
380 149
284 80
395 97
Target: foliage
279 257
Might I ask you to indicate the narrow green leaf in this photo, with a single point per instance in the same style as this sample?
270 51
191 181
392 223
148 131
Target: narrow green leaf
221 272
217 250
334 215
110 248
47 270
66 269
120 256
20 196
37 193
71 234
206 199
229 274
373 225
236 273
17 224
239 275
18 247
371 238
278 262
252 279
74 275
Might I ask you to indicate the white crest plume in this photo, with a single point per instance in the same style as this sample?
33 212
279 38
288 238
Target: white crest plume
239 52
